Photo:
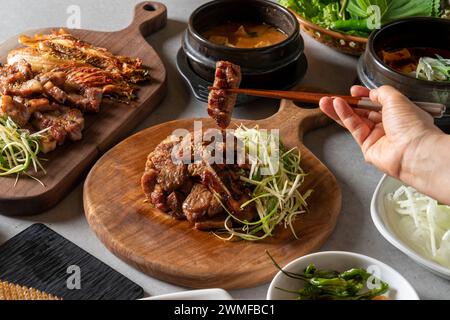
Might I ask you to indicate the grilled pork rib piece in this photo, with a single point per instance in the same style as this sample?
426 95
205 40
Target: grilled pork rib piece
191 191
221 103
200 203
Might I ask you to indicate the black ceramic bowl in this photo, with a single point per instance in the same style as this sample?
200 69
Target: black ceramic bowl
272 67
412 32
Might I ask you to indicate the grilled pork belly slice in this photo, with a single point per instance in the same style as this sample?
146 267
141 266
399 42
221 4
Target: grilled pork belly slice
16 110
81 77
16 79
62 123
221 103
21 109
84 87
28 88
55 93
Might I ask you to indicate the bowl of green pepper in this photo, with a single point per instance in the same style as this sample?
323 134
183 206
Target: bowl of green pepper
339 275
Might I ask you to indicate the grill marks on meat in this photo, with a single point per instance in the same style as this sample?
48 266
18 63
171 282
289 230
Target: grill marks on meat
18 112
27 99
220 102
77 86
17 79
191 191
62 123
81 78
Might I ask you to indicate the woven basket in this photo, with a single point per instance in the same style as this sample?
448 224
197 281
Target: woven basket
339 41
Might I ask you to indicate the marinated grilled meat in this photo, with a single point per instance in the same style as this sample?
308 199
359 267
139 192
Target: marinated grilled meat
192 190
174 202
171 176
220 102
200 203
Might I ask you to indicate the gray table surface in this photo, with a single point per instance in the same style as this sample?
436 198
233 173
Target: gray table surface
334 146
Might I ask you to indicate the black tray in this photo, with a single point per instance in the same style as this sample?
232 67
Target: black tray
39 258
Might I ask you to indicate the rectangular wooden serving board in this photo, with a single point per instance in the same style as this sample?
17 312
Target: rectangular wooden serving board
70 162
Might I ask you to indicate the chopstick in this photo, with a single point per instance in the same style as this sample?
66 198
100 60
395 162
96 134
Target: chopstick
436 110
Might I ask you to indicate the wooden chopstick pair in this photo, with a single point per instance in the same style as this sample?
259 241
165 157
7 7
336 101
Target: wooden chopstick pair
437 110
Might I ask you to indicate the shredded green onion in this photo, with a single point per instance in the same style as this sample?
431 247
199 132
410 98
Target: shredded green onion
275 177
19 149
433 69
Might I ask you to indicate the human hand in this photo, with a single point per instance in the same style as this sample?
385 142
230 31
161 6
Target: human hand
392 139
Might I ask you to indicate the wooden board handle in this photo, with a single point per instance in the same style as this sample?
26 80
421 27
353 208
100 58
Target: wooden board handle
149 17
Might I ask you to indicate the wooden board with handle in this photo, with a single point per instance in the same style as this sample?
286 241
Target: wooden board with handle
171 250
68 163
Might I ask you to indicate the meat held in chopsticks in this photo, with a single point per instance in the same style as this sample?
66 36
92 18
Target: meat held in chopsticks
220 102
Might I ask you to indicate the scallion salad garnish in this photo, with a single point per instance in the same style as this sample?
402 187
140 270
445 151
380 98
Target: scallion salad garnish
433 69
276 177
423 221
19 149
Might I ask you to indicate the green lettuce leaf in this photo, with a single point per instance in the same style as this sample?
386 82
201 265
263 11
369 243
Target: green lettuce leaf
394 9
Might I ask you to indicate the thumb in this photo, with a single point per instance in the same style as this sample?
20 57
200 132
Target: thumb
393 101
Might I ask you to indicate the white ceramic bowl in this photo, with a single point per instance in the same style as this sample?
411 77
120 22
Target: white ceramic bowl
387 224
204 294
400 288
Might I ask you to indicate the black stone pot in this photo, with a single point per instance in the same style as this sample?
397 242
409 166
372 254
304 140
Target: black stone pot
411 32
272 67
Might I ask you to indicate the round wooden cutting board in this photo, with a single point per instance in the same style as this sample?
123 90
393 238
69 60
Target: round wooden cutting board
171 250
